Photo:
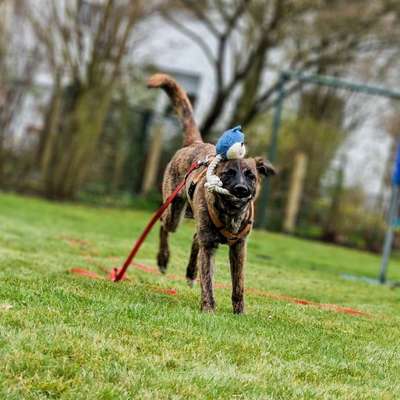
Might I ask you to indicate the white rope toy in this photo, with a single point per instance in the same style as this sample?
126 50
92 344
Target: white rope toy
213 183
230 146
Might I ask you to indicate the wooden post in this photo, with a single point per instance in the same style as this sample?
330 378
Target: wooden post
153 159
295 192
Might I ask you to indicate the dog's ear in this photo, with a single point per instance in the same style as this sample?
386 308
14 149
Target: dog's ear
264 167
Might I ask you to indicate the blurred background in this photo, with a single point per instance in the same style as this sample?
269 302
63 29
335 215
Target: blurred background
78 124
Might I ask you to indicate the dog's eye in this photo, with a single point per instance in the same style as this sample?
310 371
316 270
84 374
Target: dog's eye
230 172
249 174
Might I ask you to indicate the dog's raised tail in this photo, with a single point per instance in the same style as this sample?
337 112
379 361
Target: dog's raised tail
181 104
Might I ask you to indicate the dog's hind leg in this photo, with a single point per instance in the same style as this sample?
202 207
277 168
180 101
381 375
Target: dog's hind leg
163 252
191 270
169 223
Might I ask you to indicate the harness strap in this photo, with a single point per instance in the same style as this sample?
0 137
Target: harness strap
195 180
197 177
232 237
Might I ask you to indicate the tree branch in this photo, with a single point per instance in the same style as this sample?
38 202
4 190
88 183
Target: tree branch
123 43
220 59
195 7
195 37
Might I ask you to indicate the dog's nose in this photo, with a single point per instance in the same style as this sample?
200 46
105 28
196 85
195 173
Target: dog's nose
241 191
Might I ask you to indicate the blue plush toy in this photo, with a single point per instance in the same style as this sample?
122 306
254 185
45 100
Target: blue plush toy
230 146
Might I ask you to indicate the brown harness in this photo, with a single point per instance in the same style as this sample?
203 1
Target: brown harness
231 237
193 183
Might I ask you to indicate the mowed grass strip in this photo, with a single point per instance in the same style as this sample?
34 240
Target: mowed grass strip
67 337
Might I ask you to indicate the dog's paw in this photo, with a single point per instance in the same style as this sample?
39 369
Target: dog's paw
207 308
162 261
191 282
238 308
162 269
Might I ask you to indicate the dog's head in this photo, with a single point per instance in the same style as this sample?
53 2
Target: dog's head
242 178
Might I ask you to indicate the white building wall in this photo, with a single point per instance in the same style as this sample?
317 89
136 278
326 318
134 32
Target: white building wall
170 50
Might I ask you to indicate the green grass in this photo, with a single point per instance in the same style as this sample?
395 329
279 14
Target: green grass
67 337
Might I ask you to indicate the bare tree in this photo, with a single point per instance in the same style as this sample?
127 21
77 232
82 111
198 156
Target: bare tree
17 66
318 36
85 46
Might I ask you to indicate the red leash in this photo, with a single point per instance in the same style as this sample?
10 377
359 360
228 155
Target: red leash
119 274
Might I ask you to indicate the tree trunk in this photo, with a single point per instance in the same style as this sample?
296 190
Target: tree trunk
153 159
330 232
73 143
213 116
251 85
51 121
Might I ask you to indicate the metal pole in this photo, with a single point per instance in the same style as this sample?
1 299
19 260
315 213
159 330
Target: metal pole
387 248
331 81
261 219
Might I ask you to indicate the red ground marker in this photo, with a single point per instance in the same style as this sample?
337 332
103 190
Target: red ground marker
219 285
262 293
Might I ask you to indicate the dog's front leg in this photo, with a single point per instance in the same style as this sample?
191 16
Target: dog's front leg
206 265
237 258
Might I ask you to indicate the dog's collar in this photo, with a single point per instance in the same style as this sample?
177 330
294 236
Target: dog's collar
232 237
193 183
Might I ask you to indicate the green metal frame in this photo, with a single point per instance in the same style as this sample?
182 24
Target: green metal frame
282 94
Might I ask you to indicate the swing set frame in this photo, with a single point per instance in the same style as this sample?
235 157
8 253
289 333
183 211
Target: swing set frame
285 77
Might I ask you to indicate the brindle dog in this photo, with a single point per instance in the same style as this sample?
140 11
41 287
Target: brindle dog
219 219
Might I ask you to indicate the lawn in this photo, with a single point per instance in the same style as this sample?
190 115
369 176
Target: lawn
67 337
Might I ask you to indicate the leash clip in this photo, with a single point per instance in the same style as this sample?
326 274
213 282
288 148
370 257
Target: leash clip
204 162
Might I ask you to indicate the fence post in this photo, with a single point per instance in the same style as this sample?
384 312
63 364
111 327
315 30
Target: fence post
295 192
